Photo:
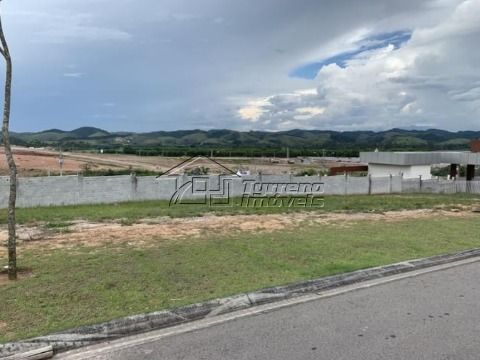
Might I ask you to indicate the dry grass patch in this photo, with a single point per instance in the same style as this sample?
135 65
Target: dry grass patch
148 232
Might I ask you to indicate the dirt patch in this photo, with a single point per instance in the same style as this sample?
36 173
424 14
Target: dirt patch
148 231
3 281
151 231
22 274
40 162
43 162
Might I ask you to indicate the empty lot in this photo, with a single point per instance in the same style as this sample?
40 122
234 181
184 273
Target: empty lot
87 264
41 162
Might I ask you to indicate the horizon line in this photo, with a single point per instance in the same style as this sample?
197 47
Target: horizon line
243 131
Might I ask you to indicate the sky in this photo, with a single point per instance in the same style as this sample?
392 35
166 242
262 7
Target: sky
273 65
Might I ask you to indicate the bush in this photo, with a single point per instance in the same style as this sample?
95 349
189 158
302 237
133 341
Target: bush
308 172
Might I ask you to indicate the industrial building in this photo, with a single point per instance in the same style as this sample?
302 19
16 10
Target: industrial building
419 164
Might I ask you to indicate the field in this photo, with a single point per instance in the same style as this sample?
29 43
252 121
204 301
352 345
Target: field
43 162
86 264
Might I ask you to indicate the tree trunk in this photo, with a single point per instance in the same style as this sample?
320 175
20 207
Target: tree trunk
12 236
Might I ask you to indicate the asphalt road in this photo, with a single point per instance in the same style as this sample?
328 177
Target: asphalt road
432 316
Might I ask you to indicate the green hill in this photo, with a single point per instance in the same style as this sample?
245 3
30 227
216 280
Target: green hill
257 143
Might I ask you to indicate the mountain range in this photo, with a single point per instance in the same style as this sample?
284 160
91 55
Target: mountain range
318 140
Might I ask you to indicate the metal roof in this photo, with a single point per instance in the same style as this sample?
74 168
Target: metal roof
421 158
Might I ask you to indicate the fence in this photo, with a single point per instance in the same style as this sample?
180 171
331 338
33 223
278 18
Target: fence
75 190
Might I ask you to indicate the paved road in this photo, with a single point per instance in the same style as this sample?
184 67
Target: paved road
432 316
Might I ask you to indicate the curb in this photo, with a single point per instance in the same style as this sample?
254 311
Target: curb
89 335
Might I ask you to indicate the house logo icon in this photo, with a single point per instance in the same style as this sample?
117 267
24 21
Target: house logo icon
198 189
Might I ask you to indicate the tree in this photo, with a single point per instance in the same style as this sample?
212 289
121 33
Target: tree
12 236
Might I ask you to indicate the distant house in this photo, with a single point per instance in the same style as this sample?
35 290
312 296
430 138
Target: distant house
416 164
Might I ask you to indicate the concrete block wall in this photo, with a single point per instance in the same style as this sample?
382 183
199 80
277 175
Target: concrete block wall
356 185
381 185
43 191
151 188
411 185
73 190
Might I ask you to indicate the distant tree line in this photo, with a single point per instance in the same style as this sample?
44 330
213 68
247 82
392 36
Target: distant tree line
221 151
233 152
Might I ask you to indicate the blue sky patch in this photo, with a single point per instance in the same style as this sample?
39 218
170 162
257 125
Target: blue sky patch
374 42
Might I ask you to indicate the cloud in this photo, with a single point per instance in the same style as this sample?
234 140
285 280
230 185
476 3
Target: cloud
254 109
395 79
306 113
374 42
179 64
73 75
64 26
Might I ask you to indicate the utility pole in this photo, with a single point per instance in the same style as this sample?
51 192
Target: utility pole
61 161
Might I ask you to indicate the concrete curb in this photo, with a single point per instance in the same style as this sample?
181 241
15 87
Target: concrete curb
89 335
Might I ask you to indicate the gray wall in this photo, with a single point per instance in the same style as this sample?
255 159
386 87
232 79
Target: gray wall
72 190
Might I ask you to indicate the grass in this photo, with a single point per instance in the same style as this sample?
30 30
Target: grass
57 225
134 211
82 286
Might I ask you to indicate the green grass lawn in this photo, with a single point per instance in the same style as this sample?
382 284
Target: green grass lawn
133 211
70 288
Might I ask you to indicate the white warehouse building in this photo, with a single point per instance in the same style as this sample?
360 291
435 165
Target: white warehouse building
415 164
407 171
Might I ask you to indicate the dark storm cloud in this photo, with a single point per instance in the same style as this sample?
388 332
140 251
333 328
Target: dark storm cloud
170 64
